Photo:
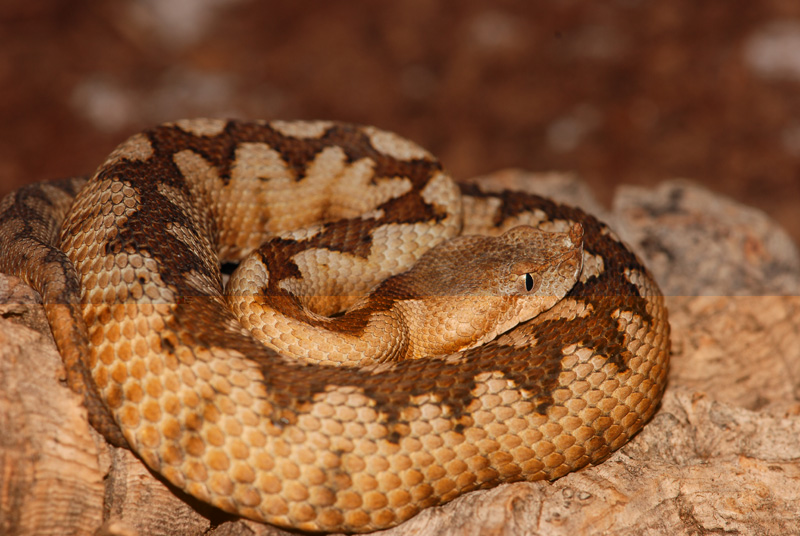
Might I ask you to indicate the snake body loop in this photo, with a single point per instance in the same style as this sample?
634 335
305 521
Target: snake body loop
132 286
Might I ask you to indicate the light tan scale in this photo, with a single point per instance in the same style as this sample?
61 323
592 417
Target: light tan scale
396 363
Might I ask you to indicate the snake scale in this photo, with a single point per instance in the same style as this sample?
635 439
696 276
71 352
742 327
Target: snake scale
129 262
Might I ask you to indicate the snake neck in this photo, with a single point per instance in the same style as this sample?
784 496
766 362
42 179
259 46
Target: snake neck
298 325
395 322
388 325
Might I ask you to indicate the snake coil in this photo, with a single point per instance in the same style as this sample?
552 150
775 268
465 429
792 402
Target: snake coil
128 264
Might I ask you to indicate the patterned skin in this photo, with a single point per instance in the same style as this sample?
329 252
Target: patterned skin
129 271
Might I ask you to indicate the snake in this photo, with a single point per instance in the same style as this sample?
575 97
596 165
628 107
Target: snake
519 338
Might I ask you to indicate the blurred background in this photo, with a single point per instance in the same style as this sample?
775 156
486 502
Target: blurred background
622 91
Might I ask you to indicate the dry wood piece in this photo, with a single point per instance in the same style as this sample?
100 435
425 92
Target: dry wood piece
719 456
51 468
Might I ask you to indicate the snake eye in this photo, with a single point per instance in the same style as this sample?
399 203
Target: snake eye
528 282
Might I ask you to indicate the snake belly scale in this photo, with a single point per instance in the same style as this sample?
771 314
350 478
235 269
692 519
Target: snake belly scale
128 264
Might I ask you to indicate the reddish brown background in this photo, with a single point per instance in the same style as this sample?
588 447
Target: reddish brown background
625 91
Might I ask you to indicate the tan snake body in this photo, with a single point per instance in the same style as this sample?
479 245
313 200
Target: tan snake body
165 367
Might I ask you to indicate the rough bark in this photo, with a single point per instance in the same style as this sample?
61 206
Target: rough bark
719 456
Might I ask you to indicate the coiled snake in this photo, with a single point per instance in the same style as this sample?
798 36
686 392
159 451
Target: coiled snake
554 356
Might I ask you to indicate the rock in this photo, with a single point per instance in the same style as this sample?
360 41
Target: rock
719 456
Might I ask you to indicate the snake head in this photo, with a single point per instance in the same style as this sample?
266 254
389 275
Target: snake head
472 288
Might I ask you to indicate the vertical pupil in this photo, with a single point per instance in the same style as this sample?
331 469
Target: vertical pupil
528 282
